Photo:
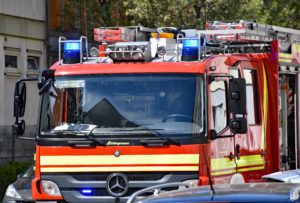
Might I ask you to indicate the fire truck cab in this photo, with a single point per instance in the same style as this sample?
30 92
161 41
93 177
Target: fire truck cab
153 106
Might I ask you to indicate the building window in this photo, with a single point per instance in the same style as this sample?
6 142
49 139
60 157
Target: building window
33 63
11 61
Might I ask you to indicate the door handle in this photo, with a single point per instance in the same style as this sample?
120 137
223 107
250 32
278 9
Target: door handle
238 151
263 153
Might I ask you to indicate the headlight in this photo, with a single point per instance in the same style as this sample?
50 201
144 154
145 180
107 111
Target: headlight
12 192
50 188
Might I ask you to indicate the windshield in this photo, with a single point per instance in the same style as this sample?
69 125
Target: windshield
170 104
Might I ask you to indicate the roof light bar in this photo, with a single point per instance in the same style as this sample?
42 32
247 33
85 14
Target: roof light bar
73 50
190 43
190 49
68 46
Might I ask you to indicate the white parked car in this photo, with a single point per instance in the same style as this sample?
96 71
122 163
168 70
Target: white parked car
290 176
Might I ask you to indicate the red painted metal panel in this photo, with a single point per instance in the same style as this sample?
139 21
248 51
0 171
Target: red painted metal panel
110 68
124 150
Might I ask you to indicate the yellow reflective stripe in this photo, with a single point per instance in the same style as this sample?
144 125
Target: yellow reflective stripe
120 169
285 60
239 170
123 159
222 163
296 48
265 111
251 160
228 167
223 172
251 169
226 163
285 55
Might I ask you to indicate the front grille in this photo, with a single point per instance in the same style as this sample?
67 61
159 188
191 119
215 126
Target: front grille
133 176
103 191
97 182
89 176
20 201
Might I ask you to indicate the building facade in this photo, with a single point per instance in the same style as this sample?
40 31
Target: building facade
23 33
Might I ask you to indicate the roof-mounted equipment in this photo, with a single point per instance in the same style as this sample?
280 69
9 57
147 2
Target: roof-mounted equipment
130 51
190 48
193 48
73 50
111 35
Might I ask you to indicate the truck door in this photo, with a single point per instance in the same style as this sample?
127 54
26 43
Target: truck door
250 148
223 164
241 157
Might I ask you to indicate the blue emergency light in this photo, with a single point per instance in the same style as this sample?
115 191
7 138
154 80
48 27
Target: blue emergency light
71 52
190 50
72 46
191 43
86 191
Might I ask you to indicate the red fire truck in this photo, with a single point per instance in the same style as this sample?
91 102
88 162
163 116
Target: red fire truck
153 106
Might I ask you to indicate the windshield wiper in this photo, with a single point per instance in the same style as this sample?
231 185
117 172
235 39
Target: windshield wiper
65 132
88 136
162 136
153 132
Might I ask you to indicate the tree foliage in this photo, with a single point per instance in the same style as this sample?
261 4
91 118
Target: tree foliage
83 16
154 13
9 173
282 13
175 13
194 13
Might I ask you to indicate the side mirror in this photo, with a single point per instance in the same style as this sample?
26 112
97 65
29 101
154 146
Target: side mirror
238 125
19 106
20 99
237 96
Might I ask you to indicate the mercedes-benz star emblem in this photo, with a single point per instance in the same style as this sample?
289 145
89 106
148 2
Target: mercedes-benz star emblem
117 184
117 153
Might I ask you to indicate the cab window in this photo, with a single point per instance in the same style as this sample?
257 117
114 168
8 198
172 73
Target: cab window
252 96
234 72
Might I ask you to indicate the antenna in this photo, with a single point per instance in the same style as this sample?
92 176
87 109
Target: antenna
212 190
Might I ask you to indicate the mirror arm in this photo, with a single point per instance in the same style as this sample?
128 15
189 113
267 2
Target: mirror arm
44 76
46 86
227 136
26 79
223 136
25 138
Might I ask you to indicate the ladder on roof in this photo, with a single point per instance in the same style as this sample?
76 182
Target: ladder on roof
219 37
111 35
249 30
